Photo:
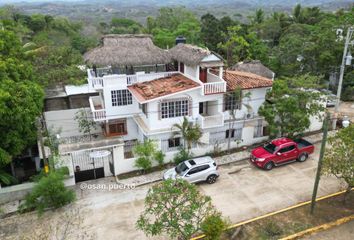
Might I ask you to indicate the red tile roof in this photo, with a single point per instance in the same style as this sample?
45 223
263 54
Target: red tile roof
162 87
245 80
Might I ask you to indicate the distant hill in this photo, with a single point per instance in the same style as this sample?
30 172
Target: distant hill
104 10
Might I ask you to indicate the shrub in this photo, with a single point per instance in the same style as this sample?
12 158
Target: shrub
147 152
271 229
143 163
159 157
213 226
49 192
182 155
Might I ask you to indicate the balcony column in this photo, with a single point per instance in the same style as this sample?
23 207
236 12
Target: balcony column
220 72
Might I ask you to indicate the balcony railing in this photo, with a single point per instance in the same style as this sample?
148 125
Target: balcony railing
216 120
99 82
214 84
214 87
98 112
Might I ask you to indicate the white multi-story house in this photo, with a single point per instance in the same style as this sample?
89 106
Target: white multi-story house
139 91
143 90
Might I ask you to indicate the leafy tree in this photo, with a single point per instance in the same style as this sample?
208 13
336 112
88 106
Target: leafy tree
236 47
210 31
86 124
289 105
49 192
170 18
339 157
213 226
171 23
58 66
147 153
258 16
37 22
20 99
124 26
190 133
297 13
176 208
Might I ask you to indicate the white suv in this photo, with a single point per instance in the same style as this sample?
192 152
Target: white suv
194 170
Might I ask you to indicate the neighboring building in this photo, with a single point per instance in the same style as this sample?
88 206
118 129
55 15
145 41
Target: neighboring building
254 66
142 91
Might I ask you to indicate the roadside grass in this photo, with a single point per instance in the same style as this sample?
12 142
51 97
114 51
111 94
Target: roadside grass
295 220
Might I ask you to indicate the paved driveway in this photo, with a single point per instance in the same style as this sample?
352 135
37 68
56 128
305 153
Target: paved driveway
241 192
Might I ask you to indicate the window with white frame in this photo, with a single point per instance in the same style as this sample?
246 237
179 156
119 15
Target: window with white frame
232 102
175 108
121 97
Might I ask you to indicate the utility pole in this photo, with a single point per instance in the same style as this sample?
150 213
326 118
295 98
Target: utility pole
342 67
319 167
40 139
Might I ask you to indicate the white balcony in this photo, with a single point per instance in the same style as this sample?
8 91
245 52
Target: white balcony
98 111
211 121
106 77
214 85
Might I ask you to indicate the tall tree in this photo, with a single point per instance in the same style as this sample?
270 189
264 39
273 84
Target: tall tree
21 99
210 31
235 47
339 157
290 104
258 17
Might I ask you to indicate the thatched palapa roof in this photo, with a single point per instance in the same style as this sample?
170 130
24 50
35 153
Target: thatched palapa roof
127 50
254 66
192 55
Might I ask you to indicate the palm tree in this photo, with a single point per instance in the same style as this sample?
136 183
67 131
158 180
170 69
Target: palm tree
190 132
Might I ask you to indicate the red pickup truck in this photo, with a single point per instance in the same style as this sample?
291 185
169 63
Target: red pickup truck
281 151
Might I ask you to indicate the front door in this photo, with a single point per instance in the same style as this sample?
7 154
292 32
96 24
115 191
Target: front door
203 74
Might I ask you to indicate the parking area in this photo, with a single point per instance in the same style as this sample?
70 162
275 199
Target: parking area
241 192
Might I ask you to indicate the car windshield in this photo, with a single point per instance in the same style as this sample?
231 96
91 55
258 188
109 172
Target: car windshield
181 168
270 147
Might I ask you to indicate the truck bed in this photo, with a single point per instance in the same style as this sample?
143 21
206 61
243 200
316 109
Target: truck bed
302 143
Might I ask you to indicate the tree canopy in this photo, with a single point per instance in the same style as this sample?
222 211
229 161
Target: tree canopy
21 99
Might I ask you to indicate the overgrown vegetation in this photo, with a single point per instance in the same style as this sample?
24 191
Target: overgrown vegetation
182 155
146 153
49 193
213 226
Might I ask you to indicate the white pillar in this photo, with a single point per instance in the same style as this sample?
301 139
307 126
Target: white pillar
220 72
197 73
118 156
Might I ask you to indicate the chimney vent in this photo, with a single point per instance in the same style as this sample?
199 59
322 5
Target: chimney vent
180 39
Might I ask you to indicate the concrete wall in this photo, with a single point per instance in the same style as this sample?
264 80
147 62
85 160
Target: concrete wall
64 120
19 192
